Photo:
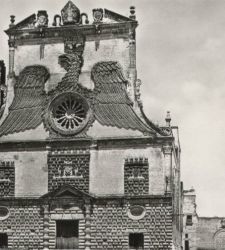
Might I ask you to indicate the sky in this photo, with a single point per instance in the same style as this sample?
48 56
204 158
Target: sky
181 62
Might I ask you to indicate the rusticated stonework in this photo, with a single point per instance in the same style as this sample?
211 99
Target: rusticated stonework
7 178
111 226
136 176
68 167
24 227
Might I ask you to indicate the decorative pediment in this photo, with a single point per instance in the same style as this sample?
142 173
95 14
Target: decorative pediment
111 15
67 191
27 23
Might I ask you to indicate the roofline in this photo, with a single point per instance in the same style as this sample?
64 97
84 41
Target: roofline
153 126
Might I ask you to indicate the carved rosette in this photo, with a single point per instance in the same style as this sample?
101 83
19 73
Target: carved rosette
69 113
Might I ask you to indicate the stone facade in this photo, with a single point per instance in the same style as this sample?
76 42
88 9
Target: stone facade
111 225
89 170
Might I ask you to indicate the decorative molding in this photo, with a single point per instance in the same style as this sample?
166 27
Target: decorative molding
167 149
68 113
64 216
136 212
55 22
88 226
70 14
42 19
26 23
69 88
138 92
4 213
115 16
136 161
46 227
97 15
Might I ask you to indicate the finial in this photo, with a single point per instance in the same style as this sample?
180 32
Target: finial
12 20
168 119
97 15
132 12
42 18
70 14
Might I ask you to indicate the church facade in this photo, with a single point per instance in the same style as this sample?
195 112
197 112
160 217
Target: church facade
81 166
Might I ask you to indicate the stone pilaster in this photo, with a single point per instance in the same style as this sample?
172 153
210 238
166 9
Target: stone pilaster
11 57
167 151
132 72
88 227
46 228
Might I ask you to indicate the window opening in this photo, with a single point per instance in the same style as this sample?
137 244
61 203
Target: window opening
3 240
189 220
136 241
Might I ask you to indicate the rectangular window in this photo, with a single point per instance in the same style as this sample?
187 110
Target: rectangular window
136 241
67 234
3 240
189 220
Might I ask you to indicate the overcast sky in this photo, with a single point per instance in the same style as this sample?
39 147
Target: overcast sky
181 62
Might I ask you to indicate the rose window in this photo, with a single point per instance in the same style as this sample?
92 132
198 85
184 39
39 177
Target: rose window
69 113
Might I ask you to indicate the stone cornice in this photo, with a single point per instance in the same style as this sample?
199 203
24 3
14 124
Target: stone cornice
84 142
50 35
146 199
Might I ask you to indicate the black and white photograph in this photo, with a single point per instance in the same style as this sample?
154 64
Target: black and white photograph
112 124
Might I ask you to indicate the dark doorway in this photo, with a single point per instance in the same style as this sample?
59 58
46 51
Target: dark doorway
186 245
67 234
136 241
3 240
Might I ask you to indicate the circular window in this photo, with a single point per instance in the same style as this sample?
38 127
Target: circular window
4 213
69 113
136 212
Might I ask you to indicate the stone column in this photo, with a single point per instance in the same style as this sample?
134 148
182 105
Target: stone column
88 227
167 150
46 228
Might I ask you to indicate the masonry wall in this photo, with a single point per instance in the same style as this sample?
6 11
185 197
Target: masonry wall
189 209
31 170
107 169
108 50
7 178
24 227
110 222
205 231
111 226
104 175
